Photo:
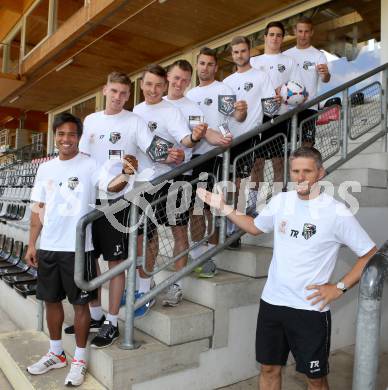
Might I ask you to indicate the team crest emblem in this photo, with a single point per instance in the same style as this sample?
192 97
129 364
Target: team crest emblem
307 65
114 137
226 104
152 125
270 106
158 149
308 230
208 101
281 68
72 182
248 86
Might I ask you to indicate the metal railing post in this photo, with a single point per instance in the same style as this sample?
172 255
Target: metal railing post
366 356
225 178
39 315
128 342
345 123
294 132
384 102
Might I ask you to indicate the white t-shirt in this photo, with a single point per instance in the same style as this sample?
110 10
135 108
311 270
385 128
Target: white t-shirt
207 98
107 138
280 69
251 86
187 108
307 238
166 121
67 188
307 61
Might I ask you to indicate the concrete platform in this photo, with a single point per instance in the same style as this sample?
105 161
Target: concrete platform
365 176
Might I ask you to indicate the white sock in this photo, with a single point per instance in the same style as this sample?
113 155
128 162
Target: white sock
56 347
80 354
112 318
230 227
144 285
96 312
198 251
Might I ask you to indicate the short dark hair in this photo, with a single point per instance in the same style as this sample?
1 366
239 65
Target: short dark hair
181 64
240 39
66 117
307 152
118 77
275 24
155 69
206 51
304 20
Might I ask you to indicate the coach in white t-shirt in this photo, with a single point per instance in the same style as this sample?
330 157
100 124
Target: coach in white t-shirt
312 65
165 121
309 228
209 95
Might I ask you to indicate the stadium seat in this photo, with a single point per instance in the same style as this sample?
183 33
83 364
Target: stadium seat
7 250
13 260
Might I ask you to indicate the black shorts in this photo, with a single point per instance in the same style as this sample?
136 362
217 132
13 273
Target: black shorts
276 147
309 127
165 209
56 277
244 165
306 333
214 168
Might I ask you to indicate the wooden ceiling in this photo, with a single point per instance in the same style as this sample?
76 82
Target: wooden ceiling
126 36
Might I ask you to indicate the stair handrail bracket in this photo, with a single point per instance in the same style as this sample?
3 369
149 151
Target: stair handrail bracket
369 321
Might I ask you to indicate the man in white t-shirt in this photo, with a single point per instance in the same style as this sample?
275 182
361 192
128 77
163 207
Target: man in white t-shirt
109 135
312 65
212 96
250 85
309 228
166 121
280 69
64 190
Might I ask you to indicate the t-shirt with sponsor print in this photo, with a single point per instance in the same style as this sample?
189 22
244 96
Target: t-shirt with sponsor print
251 86
307 238
207 99
168 122
67 188
107 138
280 69
307 61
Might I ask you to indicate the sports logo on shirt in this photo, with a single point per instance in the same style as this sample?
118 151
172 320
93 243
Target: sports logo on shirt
281 68
72 182
152 125
226 104
208 101
248 86
114 137
308 65
308 230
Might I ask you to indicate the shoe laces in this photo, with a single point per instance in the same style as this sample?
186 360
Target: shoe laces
105 329
78 366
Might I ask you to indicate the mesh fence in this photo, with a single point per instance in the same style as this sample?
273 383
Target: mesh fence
365 110
176 222
325 126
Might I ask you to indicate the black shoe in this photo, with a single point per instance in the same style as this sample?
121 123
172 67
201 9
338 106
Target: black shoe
106 336
235 245
94 327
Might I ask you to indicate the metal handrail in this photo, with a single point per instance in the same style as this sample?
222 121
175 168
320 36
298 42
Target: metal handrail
132 195
368 321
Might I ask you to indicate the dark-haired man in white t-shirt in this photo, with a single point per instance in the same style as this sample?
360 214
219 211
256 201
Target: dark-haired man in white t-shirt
312 65
309 228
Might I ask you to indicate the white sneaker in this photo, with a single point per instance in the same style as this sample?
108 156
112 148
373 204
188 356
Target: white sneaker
77 373
173 296
47 363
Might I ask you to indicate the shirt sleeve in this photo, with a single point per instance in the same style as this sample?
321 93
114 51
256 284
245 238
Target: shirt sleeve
265 221
349 232
177 125
84 146
38 193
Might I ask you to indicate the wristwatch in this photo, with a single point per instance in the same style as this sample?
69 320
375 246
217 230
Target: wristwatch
341 286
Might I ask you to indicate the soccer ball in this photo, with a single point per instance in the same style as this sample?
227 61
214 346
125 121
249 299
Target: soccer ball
293 93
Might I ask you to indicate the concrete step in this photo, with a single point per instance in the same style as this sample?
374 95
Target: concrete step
249 260
225 291
368 177
370 160
171 325
22 348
